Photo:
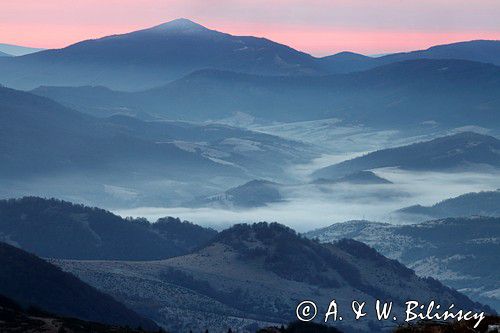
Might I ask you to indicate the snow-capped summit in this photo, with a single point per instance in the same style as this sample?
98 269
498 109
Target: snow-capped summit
179 25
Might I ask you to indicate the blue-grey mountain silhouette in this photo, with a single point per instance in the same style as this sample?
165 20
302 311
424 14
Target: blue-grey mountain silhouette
60 229
31 281
360 177
18 50
456 152
486 203
404 94
255 193
152 57
40 139
155 56
460 252
486 51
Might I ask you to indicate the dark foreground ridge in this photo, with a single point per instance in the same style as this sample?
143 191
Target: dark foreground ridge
60 229
15 319
33 282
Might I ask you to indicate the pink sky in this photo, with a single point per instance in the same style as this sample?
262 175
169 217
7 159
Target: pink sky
319 27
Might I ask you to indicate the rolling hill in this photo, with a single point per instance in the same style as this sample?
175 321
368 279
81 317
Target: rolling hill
485 51
40 136
58 229
460 252
44 146
456 152
255 275
485 203
33 282
360 178
413 93
255 193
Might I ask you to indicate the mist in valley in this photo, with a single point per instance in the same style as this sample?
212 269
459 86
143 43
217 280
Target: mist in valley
310 206
307 205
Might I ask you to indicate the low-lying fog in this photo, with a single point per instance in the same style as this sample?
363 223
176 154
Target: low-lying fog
311 206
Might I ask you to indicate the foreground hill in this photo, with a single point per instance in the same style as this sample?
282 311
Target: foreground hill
460 252
443 92
456 152
152 57
485 203
456 327
31 281
59 229
14 318
255 275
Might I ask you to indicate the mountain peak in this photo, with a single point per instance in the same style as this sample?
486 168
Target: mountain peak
179 25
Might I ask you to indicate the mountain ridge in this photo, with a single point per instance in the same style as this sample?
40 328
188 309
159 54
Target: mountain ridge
59 229
264 270
453 152
157 55
484 203
95 61
55 142
408 93
18 50
457 251
32 281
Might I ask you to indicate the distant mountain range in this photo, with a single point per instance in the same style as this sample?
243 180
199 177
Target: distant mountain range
460 252
255 275
426 92
40 139
58 229
152 57
48 138
456 152
17 50
33 282
485 203
486 51
3 54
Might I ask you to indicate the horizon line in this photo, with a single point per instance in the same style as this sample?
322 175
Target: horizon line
326 54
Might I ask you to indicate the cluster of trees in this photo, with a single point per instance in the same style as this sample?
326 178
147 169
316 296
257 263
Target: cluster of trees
59 229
